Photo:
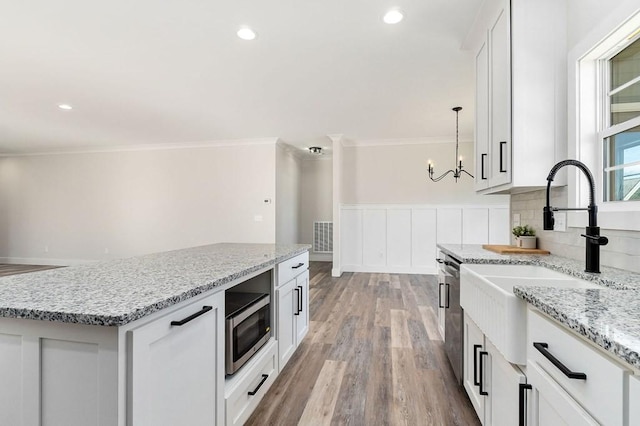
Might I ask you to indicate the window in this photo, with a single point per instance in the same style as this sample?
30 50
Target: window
621 132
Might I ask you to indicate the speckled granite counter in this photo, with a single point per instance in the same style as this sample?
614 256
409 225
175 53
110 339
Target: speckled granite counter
117 292
609 317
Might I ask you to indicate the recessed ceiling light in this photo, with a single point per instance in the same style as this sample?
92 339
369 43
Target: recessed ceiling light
66 107
393 16
246 33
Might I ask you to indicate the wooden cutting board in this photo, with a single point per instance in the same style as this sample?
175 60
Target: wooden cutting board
512 249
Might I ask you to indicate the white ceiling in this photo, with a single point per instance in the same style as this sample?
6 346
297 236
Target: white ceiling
143 72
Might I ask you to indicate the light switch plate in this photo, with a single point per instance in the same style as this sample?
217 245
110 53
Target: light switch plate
560 222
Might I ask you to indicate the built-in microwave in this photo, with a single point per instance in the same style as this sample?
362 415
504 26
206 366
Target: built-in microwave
248 327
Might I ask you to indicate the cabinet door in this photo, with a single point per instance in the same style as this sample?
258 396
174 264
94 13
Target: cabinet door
473 345
634 395
302 319
287 304
500 98
176 370
483 167
504 394
550 404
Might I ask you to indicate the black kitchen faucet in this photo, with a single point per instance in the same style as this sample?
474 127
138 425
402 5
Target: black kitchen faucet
592 232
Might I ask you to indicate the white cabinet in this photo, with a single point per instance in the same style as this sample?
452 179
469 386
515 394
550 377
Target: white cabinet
551 404
520 92
244 391
292 294
293 316
570 378
492 383
176 368
634 395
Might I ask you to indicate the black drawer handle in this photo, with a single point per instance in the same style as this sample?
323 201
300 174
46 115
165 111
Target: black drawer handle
482 175
299 265
503 169
255 391
476 380
203 311
522 400
448 295
542 348
481 386
297 290
300 299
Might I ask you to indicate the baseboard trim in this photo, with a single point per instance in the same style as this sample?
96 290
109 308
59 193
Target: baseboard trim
44 261
424 270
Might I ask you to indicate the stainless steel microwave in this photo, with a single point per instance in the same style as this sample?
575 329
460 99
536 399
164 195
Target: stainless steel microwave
248 327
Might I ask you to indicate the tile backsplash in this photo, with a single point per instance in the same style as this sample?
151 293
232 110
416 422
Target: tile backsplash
623 250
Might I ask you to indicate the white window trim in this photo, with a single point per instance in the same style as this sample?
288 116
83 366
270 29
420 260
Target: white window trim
586 118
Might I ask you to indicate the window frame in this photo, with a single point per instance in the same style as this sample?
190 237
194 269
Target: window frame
587 112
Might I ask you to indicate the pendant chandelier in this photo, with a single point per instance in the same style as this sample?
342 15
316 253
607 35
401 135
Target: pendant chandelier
457 172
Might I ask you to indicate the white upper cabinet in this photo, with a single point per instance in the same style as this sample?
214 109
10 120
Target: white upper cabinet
520 59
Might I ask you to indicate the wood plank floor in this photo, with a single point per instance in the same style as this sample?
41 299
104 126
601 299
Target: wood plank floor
8 269
373 356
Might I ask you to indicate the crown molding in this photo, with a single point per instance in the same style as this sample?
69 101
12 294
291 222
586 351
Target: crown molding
398 142
150 147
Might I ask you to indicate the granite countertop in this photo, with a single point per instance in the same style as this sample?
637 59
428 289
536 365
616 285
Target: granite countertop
116 292
609 317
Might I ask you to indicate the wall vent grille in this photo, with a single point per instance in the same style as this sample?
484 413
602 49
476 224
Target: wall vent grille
323 237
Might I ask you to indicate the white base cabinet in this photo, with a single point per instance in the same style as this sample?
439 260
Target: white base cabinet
634 397
176 366
245 389
492 383
293 306
590 390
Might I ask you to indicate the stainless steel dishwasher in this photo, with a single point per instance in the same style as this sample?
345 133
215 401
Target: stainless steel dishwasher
449 298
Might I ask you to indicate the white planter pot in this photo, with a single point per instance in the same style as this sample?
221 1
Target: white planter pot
526 242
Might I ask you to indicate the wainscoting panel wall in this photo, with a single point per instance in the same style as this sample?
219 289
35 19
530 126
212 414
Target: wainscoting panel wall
403 238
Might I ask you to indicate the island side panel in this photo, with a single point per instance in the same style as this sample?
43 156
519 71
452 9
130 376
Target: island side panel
57 373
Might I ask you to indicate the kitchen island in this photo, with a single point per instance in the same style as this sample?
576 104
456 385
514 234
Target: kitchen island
90 344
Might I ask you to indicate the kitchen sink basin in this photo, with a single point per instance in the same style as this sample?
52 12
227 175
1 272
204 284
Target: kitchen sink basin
486 295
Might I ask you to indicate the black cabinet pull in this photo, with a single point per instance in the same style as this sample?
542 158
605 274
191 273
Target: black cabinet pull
300 299
482 175
440 295
299 265
439 260
448 294
203 311
255 391
542 348
476 381
503 169
481 385
297 290
522 403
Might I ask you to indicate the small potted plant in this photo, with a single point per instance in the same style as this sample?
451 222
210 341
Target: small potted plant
525 236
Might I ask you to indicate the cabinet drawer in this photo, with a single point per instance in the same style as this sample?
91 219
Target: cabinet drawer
602 392
255 378
293 267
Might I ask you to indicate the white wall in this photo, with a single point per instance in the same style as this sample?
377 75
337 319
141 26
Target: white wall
316 202
589 21
71 207
397 174
288 176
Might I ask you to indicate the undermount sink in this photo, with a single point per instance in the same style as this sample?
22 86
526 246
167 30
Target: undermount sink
486 295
